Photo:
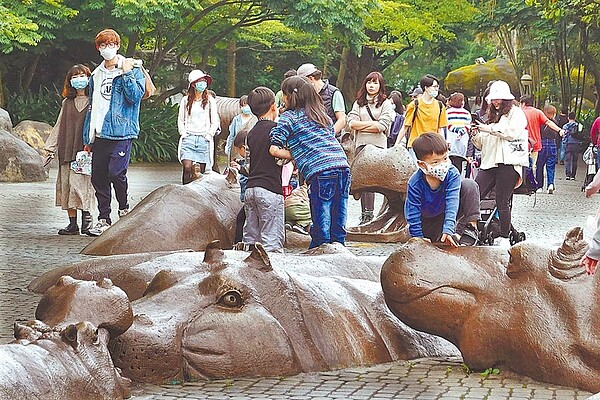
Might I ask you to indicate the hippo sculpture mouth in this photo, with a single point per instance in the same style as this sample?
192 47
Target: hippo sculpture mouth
384 171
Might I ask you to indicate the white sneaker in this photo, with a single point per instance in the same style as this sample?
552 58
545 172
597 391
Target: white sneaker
540 190
99 228
550 189
123 212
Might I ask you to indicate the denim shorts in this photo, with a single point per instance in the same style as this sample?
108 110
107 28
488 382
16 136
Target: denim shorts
194 148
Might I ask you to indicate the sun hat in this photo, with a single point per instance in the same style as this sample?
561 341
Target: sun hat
306 70
499 90
197 74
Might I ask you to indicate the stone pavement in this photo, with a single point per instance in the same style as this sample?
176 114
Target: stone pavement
29 246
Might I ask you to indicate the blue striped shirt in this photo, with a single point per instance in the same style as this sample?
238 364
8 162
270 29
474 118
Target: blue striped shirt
314 148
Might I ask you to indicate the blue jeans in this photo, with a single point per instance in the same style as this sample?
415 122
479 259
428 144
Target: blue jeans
546 158
328 195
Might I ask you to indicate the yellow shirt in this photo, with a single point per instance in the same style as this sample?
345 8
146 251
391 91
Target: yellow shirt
426 119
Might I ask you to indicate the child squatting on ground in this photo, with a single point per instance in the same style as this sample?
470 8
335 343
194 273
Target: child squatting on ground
305 133
440 206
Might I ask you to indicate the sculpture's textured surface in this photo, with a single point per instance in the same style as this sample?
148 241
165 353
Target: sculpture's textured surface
71 300
385 171
175 217
230 314
472 80
70 364
532 311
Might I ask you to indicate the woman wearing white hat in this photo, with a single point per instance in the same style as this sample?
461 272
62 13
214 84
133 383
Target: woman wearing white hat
198 122
504 150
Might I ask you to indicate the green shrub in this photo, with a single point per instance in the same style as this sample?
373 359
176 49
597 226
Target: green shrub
158 134
43 106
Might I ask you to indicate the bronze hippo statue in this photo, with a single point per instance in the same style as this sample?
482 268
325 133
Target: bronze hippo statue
385 171
176 217
233 314
65 303
532 310
68 364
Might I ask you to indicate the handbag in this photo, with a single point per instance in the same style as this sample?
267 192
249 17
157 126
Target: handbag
83 163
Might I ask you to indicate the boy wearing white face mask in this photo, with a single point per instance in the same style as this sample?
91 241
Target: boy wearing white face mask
440 206
112 122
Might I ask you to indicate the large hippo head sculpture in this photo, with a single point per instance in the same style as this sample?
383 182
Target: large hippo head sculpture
231 314
68 364
176 217
385 171
531 310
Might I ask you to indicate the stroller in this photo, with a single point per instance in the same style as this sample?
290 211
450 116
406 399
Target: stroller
489 223
589 157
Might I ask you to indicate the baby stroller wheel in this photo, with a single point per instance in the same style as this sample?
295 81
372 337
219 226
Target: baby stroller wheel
522 236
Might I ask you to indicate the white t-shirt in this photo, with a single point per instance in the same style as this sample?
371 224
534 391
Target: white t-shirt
103 79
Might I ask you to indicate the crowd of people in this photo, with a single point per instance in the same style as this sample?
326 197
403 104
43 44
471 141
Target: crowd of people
286 148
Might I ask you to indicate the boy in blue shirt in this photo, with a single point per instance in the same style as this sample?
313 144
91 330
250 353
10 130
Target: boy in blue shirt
437 197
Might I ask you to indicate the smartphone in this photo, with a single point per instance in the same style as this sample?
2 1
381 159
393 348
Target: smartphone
476 118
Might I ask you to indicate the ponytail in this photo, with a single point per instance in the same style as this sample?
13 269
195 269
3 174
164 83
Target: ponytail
300 94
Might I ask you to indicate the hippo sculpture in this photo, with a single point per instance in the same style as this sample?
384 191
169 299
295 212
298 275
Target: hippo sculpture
533 311
233 314
176 217
385 171
71 363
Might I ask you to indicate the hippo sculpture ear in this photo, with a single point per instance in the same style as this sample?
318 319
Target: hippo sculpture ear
213 253
231 176
259 259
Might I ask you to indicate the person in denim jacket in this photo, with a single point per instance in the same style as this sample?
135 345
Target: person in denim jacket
112 121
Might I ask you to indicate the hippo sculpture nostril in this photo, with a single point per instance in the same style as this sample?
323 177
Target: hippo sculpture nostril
533 312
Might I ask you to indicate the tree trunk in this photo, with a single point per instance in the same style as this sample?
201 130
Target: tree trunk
134 38
343 65
231 70
356 70
29 74
2 99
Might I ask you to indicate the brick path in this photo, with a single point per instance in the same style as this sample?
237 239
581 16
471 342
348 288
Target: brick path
30 246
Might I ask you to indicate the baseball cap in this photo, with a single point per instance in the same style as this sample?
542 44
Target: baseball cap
306 70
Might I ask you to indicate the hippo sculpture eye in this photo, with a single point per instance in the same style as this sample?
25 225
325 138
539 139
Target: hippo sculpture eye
231 299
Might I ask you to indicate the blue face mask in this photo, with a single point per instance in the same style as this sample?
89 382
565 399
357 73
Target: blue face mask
201 86
79 82
246 110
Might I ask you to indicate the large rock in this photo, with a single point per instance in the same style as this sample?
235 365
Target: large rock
5 120
472 80
533 311
33 133
18 161
234 314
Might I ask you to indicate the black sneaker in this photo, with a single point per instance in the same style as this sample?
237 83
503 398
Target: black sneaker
470 236
299 229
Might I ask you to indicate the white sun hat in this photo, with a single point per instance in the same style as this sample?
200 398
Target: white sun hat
198 74
499 91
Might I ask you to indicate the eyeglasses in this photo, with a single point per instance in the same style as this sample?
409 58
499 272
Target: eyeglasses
109 45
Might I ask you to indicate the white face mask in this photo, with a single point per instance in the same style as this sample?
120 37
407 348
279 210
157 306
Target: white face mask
439 171
108 54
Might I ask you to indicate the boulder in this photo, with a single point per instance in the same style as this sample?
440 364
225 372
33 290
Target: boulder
18 161
472 80
5 121
34 133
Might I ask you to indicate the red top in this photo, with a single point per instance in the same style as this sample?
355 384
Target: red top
594 132
535 120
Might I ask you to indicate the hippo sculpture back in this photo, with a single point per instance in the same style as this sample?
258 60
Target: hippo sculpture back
532 311
73 363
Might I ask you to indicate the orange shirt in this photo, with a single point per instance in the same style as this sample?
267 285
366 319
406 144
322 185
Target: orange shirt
535 120
429 118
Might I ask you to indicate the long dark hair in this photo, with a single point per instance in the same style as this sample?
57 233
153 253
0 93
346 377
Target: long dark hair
493 114
300 94
68 90
192 92
361 96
